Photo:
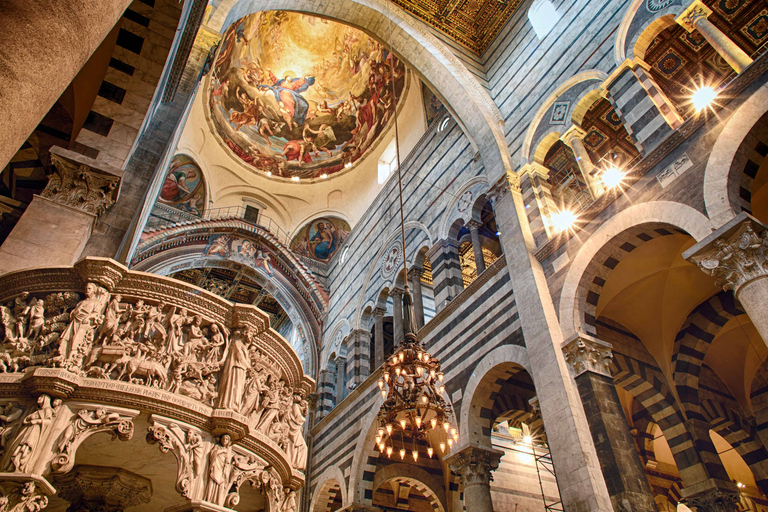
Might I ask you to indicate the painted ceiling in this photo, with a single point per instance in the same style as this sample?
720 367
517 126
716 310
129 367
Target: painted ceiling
296 96
472 23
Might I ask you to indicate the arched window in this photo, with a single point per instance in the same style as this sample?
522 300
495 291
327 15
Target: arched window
543 17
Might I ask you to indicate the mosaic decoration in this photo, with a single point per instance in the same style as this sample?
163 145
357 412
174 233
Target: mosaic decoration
594 139
730 7
184 186
240 249
392 259
559 112
298 96
670 63
432 104
320 239
472 23
757 29
657 5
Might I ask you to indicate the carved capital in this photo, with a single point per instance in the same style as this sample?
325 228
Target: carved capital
475 465
735 254
103 489
695 12
510 181
414 273
80 185
397 292
714 500
587 354
379 312
574 132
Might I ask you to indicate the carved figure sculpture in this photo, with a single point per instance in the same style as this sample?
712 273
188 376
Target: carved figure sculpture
29 437
9 419
289 504
234 374
75 341
220 470
296 446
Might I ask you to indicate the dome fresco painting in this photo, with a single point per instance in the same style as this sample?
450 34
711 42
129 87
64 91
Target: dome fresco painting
294 95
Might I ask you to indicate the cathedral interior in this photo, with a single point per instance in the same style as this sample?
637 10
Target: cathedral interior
384 255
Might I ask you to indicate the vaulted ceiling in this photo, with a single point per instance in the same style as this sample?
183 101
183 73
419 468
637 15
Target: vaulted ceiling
472 23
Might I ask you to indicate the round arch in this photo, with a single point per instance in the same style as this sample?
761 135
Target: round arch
719 175
416 477
628 33
457 88
330 477
674 214
474 187
504 355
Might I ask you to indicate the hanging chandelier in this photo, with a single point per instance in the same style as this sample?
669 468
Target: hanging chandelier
414 409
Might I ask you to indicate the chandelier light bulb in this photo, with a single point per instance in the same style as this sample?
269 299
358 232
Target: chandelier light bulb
430 451
432 373
402 424
418 422
381 384
389 451
433 422
380 432
389 430
402 453
419 370
386 377
397 371
383 394
378 439
450 443
424 398
446 426
442 389
415 455
381 447
402 357
441 377
442 447
456 437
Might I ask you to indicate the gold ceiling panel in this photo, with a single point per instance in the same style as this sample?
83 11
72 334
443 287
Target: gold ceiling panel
472 23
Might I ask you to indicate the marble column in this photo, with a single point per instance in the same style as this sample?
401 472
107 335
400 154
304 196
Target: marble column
414 277
397 314
378 337
341 374
477 246
737 255
359 360
624 474
327 391
579 476
573 138
58 223
73 30
695 17
447 282
474 466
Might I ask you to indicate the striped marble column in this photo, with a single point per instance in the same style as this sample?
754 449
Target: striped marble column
538 201
326 391
446 272
358 356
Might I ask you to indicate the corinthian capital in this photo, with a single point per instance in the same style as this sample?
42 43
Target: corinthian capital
696 11
735 254
587 354
475 464
78 184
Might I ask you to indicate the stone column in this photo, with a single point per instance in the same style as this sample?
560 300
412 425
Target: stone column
474 466
73 30
414 276
696 17
624 474
737 255
477 245
539 205
579 477
397 314
341 373
57 224
378 337
359 360
327 392
446 272
573 138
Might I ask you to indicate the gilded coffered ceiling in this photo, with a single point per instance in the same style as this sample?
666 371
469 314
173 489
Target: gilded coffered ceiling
472 23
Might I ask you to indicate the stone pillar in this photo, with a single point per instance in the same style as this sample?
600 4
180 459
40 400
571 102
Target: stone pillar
446 272
737 255
474 466
57 224
539 205
359 360
695 17
477 245
103 489
414 276
378 337
579 477
646 112
573 139
73 30
397 314
624 474
326 392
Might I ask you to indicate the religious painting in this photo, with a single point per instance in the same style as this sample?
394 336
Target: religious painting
184 187
294 95
320 239
242 250
432 104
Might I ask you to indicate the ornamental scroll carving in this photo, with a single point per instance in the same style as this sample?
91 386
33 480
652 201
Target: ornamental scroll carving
586 354
22 497
153 340
78 186
735 258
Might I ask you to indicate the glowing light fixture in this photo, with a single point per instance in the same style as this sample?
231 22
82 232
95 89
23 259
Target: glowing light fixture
528 440
612 177
703 97
563 220
324 176
295 178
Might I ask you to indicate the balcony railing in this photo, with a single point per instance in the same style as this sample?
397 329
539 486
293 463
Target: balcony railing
163 216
